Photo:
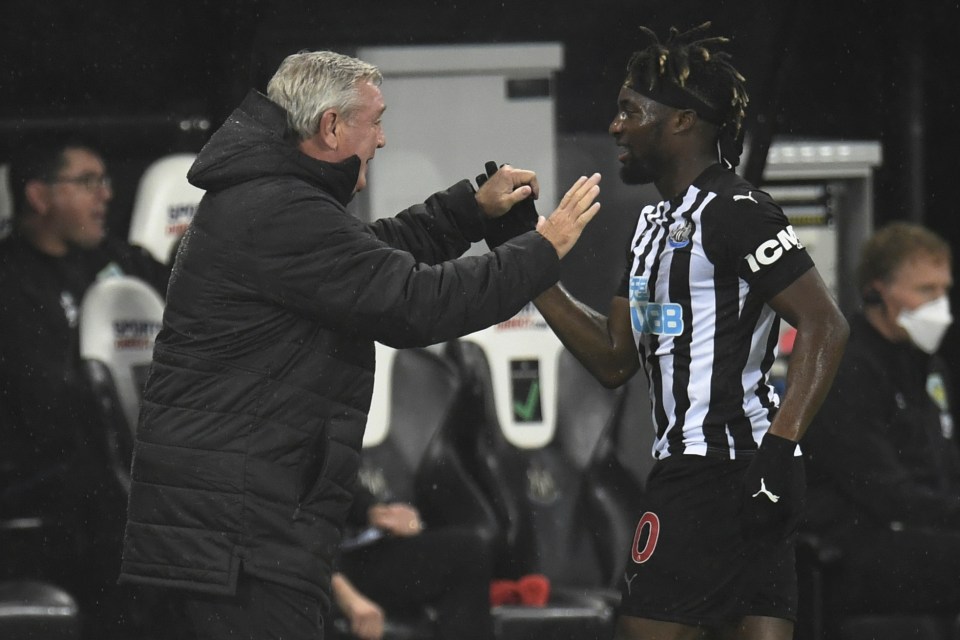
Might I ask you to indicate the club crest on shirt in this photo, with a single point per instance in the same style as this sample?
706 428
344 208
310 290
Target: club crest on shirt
937 390
680 235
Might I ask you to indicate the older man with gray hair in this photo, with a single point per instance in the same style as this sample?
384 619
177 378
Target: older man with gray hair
255 406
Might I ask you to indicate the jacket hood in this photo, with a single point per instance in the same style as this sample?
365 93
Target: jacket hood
255 142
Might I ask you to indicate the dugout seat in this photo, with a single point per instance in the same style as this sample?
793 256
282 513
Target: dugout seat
164 205
32 605
408 454
822 616
31 610
548 456
120 317
407 457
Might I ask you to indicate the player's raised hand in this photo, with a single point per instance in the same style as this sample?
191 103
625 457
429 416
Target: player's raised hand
576 209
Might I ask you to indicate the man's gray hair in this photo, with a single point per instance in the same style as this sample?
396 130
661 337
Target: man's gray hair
310 82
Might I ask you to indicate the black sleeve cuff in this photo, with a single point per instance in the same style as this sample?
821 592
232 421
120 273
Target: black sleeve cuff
463 204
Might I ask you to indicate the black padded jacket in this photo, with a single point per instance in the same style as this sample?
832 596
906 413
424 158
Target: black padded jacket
254 409
882 452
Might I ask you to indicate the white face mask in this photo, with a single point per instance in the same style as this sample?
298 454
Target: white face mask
927 323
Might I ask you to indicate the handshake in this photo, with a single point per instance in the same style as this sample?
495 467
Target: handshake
506 197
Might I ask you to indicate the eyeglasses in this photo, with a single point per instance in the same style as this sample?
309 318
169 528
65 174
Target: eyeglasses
89 181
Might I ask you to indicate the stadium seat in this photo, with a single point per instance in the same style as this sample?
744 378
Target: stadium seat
32 604
894 627
164 205
33 610
407 445
120 317
547 456
823 614
407 457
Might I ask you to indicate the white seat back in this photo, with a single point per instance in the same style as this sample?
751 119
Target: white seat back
164 205
120 317
523 354
378 420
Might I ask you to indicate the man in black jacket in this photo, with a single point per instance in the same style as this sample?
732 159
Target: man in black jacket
883 458
254 410
52 465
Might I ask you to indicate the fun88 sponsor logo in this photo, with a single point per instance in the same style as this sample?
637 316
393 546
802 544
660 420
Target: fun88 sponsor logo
658 318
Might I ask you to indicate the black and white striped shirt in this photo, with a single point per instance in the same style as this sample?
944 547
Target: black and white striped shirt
700 269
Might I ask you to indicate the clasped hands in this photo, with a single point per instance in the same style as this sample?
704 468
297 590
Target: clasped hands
508 191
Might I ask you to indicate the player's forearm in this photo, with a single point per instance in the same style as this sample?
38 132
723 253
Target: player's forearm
607 353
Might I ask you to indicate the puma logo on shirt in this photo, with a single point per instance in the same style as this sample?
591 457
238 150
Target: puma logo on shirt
763 490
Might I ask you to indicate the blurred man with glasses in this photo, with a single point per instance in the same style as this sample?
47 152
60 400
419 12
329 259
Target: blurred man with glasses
51 458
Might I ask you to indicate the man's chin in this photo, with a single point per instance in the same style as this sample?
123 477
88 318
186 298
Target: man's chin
630 175
361 180
88 243
89 240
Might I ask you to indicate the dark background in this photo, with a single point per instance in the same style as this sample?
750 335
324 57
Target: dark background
142 78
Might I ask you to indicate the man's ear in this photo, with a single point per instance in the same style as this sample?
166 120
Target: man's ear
872 295
37 195
330 122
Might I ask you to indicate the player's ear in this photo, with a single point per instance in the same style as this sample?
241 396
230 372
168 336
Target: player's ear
685 120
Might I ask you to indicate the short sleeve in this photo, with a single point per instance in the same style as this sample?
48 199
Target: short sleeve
756 239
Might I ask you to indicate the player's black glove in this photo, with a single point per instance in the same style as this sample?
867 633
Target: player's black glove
773 490
521 218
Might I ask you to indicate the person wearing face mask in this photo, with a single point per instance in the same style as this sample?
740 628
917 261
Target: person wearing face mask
882 458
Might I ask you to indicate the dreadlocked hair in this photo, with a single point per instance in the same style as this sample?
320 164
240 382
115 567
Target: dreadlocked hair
690 61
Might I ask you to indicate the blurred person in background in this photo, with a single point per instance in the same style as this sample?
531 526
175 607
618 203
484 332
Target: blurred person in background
884 467
53 463
391 562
